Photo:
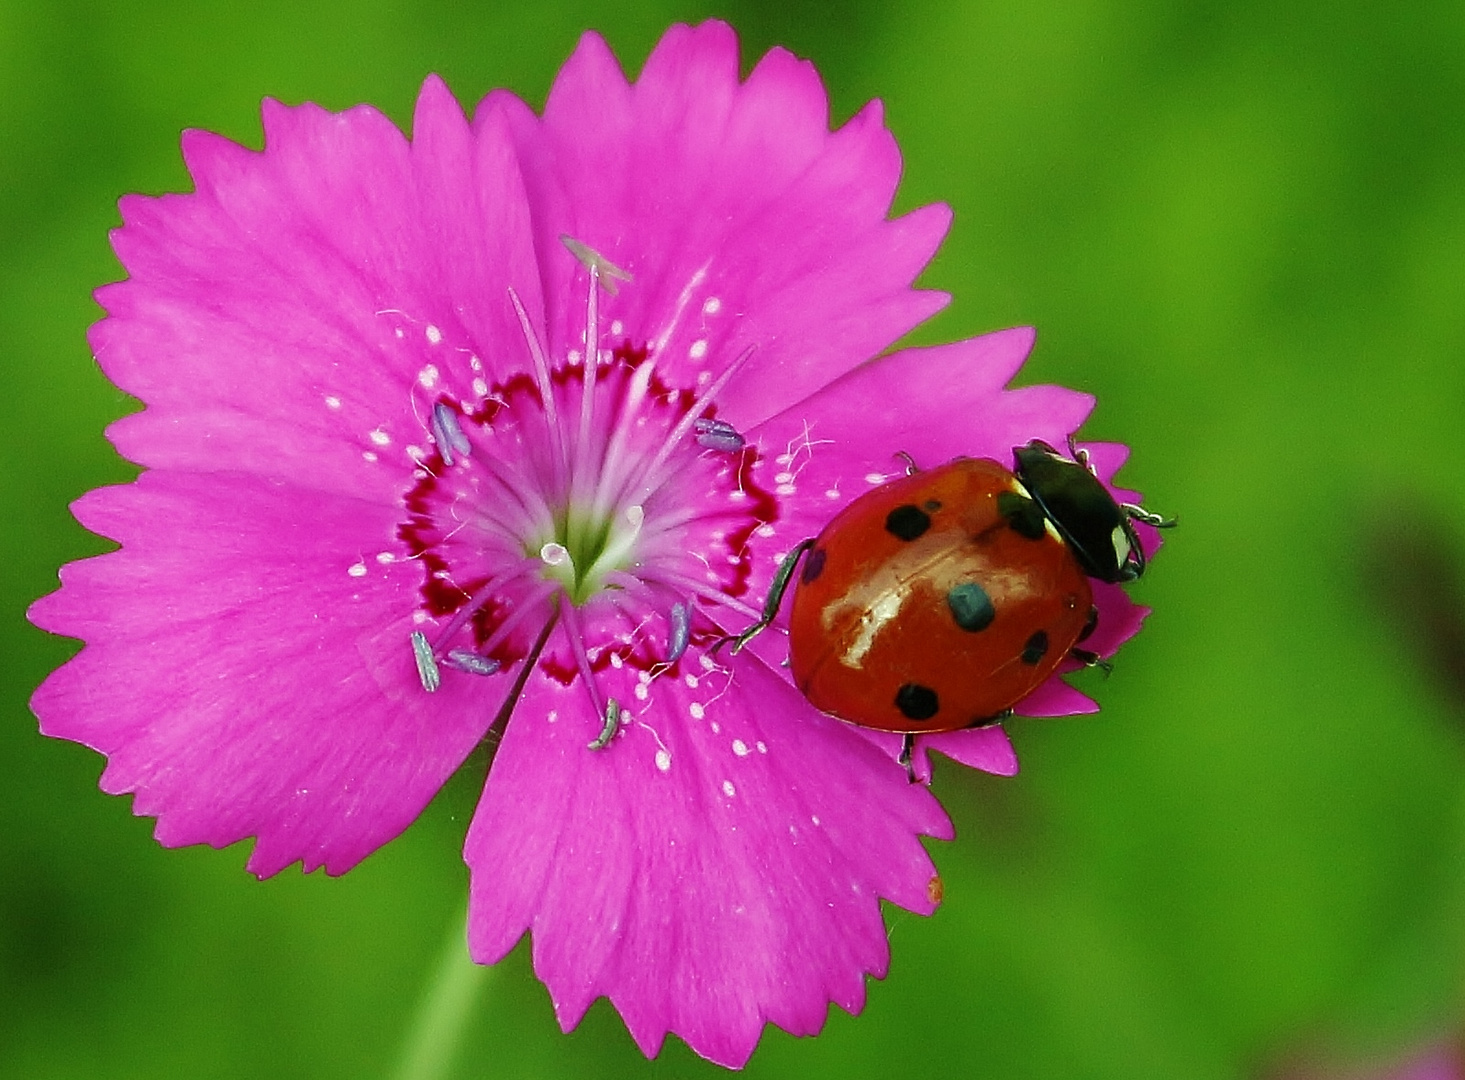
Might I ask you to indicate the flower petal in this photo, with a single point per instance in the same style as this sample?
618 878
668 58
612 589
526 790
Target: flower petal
934 404
744 222
249 675
719 865
280 319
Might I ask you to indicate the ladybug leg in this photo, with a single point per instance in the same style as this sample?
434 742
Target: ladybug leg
1091 659
911 468
1078 453
991 721
1148 517
771 605
1087 657
907 744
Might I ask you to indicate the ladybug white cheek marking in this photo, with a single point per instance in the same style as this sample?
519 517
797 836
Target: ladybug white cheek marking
1121 545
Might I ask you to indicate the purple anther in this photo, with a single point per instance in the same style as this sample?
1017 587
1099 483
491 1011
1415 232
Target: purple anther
447 433
426 663
680 632
471 662
717 435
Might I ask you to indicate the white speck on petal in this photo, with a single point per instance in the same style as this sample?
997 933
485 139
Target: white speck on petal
641 692
369 455
728 789
708 664
616 661
434 335
698 349
385 557
420 617
380 437
784 489
357 569
740 748
716 728
874 478
475 363
695 708
480 388
712 306
832 493
618 327
815 819
762 747
663 760
691 681
765 531
428 375
783 478
332 402
553 716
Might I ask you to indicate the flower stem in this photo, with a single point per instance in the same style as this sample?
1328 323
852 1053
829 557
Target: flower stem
437 1030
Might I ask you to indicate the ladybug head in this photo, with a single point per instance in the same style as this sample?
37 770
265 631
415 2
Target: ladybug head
1097 528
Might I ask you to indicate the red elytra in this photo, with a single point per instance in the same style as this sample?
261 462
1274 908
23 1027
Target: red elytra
936 601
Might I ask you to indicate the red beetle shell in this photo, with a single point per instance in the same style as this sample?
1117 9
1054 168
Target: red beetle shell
935 602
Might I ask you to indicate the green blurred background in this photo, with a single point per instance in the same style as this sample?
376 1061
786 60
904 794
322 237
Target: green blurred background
1241 224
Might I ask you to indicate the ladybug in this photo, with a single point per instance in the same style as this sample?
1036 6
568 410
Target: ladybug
940 600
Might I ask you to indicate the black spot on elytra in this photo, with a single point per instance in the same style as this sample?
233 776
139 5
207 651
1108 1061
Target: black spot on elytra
1024 515
970 606
907 522
813 566
916 702
1036 648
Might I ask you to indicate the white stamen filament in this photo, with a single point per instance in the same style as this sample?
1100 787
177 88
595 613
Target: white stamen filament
650 477
521 568
575 631
526 607
703 590
546 388
584 465
615 447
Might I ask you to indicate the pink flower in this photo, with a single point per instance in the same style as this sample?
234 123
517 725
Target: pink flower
388 505
1438 1061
